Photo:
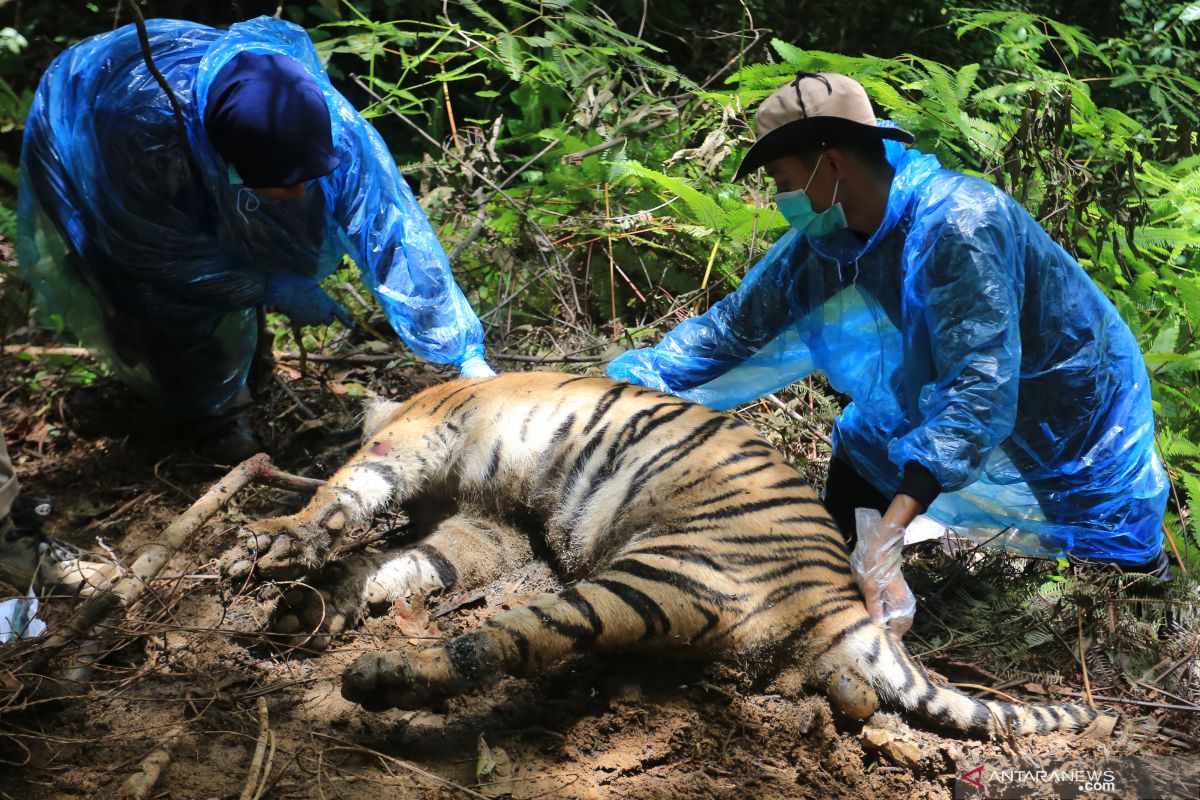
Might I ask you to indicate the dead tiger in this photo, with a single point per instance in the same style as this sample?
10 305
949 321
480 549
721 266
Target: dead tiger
675 526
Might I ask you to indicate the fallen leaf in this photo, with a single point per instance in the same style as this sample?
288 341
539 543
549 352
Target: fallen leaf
1101 728
412 618
484 762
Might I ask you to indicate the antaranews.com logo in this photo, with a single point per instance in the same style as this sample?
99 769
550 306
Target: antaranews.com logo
1130 778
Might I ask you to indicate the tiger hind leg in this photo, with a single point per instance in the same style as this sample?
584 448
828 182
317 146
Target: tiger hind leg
463 552
629 605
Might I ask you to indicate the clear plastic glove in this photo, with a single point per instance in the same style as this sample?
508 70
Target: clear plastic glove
304 302
475 367
875 564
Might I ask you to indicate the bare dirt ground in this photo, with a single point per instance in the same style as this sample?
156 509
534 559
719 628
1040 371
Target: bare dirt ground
190 674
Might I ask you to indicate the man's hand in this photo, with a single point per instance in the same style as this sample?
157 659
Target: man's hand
890 604
304 302
475 367
876 560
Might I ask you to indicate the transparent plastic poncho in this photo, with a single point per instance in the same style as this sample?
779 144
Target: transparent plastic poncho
970 343
138 253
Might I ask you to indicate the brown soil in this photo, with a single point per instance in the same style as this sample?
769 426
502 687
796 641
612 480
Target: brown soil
611 727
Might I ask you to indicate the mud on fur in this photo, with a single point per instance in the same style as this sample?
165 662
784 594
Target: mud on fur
676 528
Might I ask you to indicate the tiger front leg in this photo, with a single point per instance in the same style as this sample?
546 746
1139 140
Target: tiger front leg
288 547
284 548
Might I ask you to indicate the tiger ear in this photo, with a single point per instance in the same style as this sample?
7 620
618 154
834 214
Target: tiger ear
377 415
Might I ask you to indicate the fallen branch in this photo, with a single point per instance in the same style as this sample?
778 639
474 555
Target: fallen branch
140 784
153 559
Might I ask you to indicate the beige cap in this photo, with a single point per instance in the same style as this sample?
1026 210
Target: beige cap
813 110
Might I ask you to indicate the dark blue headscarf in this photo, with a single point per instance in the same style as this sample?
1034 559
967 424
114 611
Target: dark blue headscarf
268 118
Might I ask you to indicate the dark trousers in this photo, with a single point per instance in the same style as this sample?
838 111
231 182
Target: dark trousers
846 490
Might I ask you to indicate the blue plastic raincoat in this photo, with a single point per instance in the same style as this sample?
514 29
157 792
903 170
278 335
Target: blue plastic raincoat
158 266
970 343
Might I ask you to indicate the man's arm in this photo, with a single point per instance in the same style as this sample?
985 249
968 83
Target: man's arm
970 294
403 262
703 348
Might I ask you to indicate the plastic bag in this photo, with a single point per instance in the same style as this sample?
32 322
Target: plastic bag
875 564
476 367
18 618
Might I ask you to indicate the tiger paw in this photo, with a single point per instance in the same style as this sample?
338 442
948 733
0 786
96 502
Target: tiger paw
283 548
314 611
395 679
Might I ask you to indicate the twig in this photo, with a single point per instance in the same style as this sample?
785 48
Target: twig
286 480
547 359
450 116
476 228
308 412
812 427
981 688
378 358
252 788
298 336
1190 654
140 784
1174 549
1163 691
154 558
580 155
180 127
612 279
1127 701
37 352
346 745
532 160
1087 684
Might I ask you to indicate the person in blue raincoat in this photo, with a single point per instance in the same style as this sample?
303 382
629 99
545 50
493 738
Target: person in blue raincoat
157 252
994 387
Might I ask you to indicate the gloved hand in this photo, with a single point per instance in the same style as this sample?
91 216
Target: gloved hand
475 367
875 564
304 301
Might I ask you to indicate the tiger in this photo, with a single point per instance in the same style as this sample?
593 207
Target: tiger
674 528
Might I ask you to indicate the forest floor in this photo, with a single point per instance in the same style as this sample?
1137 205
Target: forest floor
192 676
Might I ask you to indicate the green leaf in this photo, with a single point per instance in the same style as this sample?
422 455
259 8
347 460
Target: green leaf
703 207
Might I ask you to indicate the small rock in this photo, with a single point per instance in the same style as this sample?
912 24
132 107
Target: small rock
895 748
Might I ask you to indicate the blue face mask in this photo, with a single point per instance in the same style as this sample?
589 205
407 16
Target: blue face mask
797 209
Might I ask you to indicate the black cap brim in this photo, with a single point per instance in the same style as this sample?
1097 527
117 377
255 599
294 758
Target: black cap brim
805 134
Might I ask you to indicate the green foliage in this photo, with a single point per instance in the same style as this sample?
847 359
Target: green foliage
507 83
